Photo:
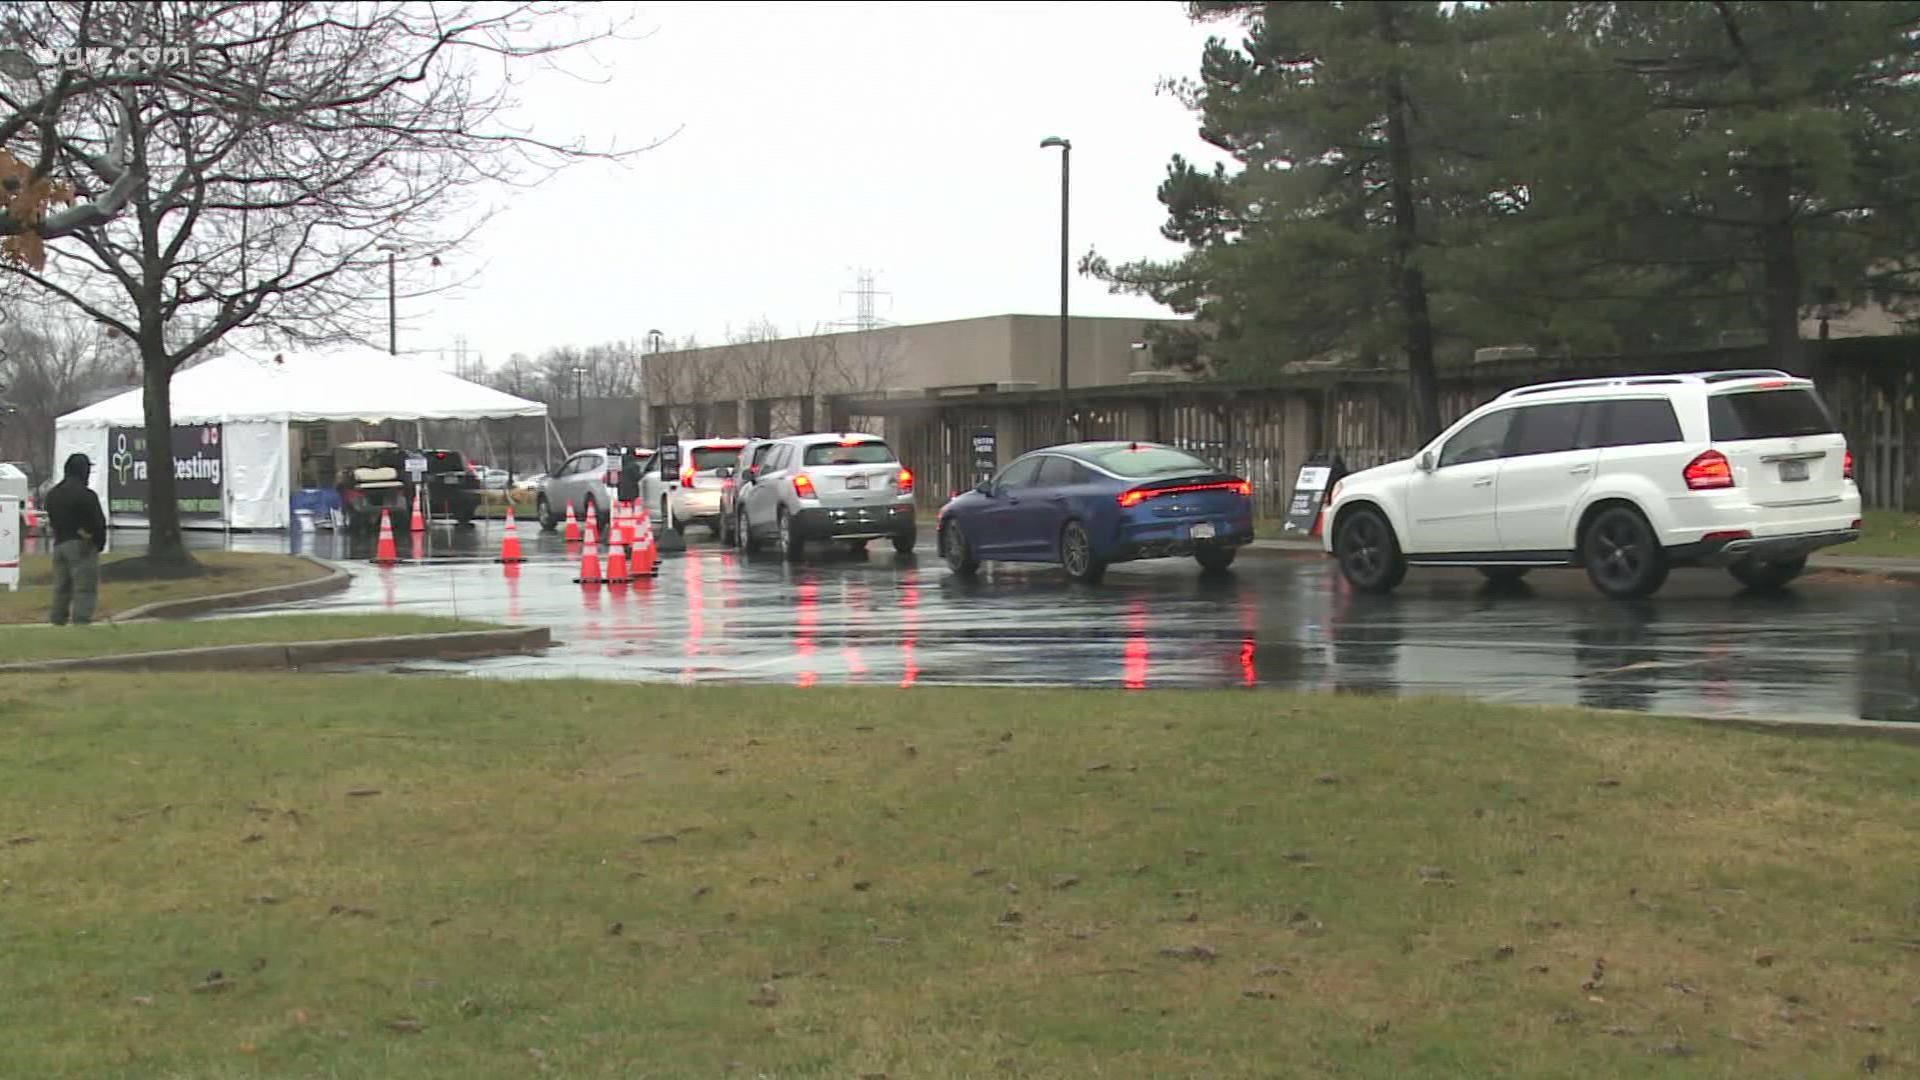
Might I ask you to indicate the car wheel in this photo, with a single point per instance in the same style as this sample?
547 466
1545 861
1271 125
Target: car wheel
1504 575
1214 559
1076 555
904 542
791 545
958 553
1369 555
544 511
743 537
1767 575
1624 560
723 529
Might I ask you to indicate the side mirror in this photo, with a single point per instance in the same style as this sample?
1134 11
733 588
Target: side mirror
724 472
1426 461
984 487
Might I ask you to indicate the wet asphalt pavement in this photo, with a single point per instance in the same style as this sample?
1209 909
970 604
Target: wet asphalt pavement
1833 648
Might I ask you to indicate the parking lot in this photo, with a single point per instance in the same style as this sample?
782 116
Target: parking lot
1835 647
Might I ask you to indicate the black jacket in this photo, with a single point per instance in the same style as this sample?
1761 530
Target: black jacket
72 507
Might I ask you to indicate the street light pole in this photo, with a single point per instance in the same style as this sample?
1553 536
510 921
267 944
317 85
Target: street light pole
393 302
1066 151
579 407
654 339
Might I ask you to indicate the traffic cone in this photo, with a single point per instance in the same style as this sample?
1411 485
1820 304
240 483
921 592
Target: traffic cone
510 547
33 516
617 565
647 559
593 530
589 567
384 553
572 535
419 524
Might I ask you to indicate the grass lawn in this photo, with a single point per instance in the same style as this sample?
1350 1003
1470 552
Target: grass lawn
407 877
232 571
1886 534
21 643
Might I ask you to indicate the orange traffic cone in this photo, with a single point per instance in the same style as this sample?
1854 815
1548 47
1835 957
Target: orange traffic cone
510 547
617 565
647 559
572 534
590 567
384 553
33 516
629 526
593 530
419 523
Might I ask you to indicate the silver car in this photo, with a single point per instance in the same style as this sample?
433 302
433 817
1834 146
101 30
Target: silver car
844 487
590 481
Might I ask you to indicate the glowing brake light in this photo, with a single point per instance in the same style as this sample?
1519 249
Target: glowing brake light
803 486
1846 466
853 442
686 475
1136 496
1709 470
906 481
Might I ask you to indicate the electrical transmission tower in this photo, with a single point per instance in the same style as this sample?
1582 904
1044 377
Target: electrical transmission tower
865 316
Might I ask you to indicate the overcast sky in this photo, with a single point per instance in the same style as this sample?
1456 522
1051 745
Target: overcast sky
810 140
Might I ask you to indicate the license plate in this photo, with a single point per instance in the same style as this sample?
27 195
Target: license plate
856 483
1203 531
1793 470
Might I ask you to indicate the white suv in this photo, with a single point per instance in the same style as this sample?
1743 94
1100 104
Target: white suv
1627 477
693 497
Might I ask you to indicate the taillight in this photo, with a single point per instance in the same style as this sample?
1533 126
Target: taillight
613 478
803 486
1846 466
686 475
1709 470
1135 496
906 481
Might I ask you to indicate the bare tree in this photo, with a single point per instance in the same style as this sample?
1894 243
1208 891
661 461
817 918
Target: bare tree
51 363
275 172
868 361
761 370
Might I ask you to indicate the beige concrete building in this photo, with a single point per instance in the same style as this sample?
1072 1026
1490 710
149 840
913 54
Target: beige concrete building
780 386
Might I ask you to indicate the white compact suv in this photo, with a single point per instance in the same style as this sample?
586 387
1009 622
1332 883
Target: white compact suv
693 497
1627 477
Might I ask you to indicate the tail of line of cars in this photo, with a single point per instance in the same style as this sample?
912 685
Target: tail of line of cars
1624 477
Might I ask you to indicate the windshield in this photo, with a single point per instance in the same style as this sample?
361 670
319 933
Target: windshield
871 452
1149 461
1768 414
709 458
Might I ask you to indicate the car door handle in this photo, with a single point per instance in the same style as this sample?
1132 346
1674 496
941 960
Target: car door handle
1578 469
1485 481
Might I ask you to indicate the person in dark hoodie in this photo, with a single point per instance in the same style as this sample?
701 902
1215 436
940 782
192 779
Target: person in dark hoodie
79 536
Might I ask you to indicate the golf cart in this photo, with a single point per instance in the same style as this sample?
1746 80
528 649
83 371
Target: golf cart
371 477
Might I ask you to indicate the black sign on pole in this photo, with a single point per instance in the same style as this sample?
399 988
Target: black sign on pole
670 457
195 460
1322 470
985 454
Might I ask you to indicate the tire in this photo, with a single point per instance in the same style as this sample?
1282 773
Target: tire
904 542
791 546
1214 560
722 529
1767 575
544 511
1623 558
1504 575
1076 555
958 553
1369 553
743 538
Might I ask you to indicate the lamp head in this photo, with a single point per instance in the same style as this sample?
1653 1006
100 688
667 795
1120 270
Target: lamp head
1055 140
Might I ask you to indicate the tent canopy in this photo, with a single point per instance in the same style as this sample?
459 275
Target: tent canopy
337 385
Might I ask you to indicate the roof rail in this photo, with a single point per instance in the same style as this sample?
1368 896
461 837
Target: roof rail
1744 373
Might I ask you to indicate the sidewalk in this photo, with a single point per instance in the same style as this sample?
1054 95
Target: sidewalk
1907 570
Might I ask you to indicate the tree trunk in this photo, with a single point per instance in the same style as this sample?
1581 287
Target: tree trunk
1409 284
166 547
1781 266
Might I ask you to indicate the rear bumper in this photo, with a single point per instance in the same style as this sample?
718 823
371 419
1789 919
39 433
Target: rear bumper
1161 548
1764 548
854 523
694 505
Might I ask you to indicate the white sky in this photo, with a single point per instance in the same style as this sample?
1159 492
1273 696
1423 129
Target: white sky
819 138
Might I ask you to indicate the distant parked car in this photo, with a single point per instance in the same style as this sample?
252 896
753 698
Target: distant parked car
1626 477
1088 505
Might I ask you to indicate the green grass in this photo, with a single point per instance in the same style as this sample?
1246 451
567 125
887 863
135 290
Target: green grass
405 877
230 571
22 643
1885 534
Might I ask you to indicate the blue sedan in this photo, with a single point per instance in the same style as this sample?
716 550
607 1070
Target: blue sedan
1088 505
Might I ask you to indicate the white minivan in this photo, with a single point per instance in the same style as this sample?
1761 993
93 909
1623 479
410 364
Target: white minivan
1627 477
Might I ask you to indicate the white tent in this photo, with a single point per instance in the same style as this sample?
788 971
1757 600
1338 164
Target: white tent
244 403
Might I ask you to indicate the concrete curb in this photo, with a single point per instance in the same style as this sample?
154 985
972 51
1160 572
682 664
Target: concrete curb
292 656
335 580
1846 729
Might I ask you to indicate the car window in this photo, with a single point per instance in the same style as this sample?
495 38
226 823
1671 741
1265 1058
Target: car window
1637 422
1134 462
1545 429
1768 414
709 458
760 455
1483 440
1020 474
1058 472
864 452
